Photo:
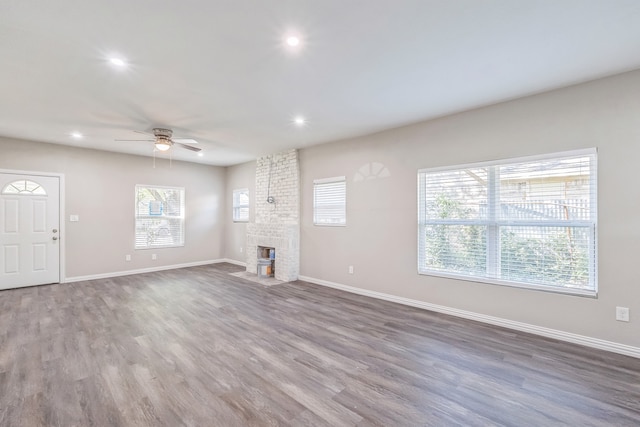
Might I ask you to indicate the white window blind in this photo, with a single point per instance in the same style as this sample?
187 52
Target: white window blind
330 201
159 217
528 222
241 205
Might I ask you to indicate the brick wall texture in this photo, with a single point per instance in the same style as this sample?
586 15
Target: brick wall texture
277 224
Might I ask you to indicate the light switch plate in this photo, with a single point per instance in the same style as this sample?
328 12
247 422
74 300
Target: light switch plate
622 314
74 218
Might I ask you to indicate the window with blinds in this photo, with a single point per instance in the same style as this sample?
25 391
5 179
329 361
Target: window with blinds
159 217
528 222
241 205
330 201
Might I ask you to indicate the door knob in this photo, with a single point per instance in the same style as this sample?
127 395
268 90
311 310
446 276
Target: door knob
55 238
55 230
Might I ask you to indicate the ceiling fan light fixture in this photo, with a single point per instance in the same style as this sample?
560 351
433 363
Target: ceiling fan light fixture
162 140
163 145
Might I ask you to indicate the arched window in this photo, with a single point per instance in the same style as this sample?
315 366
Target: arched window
24 186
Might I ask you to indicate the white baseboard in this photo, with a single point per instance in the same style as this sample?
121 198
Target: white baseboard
233 261
141 270
518 326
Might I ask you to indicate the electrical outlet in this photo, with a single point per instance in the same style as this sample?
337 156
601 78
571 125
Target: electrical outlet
240 249
622 314
351 269
127 257
154 256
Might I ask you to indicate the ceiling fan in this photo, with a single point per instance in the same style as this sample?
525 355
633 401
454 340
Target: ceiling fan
163 140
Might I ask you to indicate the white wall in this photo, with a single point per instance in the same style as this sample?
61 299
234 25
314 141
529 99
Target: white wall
100 189
380 239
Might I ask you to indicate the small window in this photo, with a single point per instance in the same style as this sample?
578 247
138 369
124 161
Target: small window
528 222
159 217
24 186
330 201
241 205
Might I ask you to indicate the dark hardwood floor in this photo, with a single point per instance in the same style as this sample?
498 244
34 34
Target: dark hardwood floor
199 347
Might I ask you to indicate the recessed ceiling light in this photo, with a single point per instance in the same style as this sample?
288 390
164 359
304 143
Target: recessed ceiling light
300 121
118 62
77 135
200 154
293 41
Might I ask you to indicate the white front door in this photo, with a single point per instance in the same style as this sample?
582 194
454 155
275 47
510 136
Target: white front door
29 230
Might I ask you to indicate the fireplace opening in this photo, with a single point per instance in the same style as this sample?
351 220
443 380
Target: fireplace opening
266 261
285 239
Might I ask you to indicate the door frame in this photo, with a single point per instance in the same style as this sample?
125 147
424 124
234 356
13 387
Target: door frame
61 214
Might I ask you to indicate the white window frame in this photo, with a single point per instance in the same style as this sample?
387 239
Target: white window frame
238 206
140 217
337 184
493 225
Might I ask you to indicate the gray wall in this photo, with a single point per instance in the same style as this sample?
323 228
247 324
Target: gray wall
239 176
100 189
380 239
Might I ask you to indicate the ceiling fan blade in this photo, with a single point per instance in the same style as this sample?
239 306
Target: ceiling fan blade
127 140
185 140
188 147
142 132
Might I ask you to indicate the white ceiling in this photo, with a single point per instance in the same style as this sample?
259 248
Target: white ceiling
219 72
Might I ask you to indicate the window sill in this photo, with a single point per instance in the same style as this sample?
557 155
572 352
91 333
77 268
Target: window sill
146 248
544 288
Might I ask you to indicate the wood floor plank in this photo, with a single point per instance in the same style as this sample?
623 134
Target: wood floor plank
199 347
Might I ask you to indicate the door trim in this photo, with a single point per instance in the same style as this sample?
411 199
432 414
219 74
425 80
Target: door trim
63 234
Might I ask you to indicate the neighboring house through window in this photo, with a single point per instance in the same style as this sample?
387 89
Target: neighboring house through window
528 222
159 217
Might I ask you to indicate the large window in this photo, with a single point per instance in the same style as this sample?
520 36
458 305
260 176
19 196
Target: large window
330 201
159 217
241 205
528 222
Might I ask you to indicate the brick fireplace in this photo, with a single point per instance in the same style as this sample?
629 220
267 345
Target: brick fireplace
277 218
